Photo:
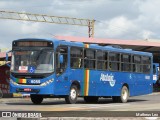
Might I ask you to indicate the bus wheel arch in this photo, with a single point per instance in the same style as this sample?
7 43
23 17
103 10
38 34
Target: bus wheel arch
124 94
73 93
125 84
76 83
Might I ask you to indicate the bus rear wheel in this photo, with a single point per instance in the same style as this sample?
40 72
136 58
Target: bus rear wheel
36 99
73 95
124 95
90 99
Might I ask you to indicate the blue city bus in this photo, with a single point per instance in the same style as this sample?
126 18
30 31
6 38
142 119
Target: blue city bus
47 68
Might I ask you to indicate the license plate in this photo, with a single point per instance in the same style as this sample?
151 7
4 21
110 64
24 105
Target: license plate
27 89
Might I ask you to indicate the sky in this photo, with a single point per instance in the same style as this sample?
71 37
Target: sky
114 19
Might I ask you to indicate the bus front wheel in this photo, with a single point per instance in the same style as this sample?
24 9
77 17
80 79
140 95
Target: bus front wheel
36 99
73 94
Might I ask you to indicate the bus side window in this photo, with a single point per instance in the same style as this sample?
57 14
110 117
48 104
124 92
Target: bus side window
89 59
146 64
114 61
101 60
76 57
125 62
137 66
60 67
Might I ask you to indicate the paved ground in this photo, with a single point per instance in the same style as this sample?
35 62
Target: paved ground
139 104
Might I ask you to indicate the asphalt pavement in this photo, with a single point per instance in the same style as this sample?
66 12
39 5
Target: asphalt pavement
19 97
138 105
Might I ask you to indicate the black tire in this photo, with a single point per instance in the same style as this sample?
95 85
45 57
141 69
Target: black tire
73 95
124 95
36 99
90 99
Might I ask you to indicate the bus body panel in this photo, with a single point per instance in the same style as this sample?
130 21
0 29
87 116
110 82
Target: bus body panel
62 84
98 86
94 86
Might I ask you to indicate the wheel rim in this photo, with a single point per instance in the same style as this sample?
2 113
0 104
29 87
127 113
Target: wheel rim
73 94
124 94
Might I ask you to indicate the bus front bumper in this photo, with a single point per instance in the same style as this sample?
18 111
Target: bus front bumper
46 89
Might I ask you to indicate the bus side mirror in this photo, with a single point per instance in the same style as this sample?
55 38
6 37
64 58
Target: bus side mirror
61 59
7 58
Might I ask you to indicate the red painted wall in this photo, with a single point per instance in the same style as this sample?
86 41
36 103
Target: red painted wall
4 78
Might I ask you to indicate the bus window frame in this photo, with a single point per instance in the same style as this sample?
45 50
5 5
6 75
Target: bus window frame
113 61
136 63
85 58
149 63
124 62
104 60
56 58
81 65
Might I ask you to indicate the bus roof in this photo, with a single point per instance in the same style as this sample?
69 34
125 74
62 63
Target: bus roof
81 44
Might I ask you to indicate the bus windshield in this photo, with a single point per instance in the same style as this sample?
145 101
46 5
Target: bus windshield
32 61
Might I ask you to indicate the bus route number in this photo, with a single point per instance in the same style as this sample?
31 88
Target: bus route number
35 81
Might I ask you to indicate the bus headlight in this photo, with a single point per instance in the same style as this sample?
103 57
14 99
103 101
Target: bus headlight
14 83
47 82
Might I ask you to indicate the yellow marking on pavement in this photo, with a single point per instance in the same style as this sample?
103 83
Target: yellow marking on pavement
73 108
17 95
60 109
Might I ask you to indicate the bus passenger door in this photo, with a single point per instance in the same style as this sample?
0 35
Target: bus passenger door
62 79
